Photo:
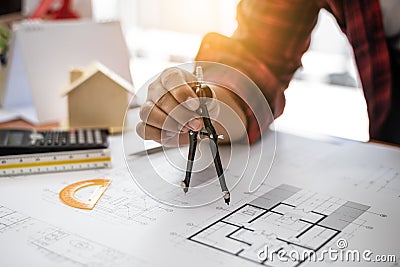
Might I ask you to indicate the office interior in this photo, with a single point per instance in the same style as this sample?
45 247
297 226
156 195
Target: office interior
158 35
313 183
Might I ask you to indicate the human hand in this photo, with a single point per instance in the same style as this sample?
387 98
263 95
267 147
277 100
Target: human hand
170 109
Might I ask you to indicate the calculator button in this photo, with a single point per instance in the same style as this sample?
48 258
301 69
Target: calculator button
56 136
48 136
36 138
97 137
89 136
72 137
81 137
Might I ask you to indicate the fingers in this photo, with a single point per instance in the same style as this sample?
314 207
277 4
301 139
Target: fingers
175 82
154 116
148 132
169 105
174 120
171 108
166 138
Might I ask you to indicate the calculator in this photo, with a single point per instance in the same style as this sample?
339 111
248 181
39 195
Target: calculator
16 141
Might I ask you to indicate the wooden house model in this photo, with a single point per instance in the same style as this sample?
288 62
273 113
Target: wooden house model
97 98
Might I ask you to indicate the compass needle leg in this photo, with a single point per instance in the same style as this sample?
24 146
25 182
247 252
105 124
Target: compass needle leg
217 161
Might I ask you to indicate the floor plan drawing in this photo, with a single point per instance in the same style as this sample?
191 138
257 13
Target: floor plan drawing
285 218
52 245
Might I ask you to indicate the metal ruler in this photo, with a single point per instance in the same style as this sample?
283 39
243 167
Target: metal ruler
54 162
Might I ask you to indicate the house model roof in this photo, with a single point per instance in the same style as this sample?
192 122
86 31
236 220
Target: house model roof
93 69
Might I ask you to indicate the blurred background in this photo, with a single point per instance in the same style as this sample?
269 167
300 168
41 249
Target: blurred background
325 97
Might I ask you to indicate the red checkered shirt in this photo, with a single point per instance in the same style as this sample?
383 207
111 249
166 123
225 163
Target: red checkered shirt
272 36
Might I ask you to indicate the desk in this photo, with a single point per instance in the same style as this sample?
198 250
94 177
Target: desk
22 124
355 185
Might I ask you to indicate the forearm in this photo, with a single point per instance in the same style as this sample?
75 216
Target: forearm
231 121
267 46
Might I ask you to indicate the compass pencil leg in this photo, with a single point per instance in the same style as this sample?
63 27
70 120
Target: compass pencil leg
189 166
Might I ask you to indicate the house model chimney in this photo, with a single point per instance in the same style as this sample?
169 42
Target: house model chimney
75 74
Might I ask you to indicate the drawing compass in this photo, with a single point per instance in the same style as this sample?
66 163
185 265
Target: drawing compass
205 95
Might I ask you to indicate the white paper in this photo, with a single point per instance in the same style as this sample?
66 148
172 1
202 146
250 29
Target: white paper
140 231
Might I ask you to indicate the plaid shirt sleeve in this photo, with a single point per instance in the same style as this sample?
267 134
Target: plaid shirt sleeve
267 46
364 29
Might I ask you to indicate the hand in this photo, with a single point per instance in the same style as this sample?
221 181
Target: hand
170 110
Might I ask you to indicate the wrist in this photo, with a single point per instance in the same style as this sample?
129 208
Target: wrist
231 121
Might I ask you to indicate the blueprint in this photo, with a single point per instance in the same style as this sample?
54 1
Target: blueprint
48 245
284 218
316 193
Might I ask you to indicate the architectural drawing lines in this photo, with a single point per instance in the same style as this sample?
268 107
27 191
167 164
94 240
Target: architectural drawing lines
59 247
280 219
